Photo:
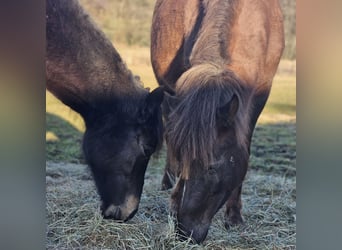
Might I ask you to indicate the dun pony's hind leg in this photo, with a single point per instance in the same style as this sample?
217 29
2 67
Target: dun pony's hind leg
169 178
233 208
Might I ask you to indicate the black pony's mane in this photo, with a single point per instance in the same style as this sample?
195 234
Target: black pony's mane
191 128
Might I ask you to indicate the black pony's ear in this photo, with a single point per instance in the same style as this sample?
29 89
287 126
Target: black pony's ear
152 104
226 113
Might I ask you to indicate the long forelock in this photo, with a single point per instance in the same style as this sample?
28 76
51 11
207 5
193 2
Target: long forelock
191 127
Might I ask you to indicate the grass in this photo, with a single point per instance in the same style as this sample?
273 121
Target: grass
269 192
74 220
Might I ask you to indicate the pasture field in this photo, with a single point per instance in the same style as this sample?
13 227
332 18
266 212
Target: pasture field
269 192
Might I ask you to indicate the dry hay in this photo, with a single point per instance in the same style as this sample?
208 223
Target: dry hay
74 220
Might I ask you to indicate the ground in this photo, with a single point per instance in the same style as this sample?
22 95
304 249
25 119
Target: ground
269 191
269 206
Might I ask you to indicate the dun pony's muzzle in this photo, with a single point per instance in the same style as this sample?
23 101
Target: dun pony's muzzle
197 233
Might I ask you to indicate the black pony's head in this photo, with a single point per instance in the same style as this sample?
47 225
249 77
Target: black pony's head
123 120
119 140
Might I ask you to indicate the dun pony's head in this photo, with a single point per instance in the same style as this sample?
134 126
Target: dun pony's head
206 134
119 140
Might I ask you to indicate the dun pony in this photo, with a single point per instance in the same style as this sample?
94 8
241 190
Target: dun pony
216 59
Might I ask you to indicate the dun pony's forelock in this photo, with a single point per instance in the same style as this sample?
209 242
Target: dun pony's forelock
191 127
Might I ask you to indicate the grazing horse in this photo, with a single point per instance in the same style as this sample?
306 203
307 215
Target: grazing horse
123 120
217 60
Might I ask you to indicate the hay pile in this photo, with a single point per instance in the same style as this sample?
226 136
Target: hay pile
74 220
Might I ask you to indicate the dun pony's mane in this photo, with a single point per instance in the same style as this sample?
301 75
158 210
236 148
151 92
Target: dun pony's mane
213 37
191 127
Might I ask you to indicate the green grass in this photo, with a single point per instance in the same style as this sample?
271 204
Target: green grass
64 131
273 148
282 99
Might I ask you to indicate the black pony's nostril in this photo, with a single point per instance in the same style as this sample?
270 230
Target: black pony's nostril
117 214
112 213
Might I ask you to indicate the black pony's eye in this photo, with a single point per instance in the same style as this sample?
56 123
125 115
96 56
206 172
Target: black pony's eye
137 137
148 150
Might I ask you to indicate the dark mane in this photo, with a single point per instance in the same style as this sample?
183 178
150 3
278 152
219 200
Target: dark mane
125 110
202 90
82 64
213 37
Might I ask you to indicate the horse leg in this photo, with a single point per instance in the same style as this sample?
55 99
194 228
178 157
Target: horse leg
169 178
234 204
233 208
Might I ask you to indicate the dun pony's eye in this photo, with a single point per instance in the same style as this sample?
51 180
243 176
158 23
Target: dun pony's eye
211 171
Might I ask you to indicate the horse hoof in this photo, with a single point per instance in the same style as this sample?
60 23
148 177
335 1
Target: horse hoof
233 221
166 184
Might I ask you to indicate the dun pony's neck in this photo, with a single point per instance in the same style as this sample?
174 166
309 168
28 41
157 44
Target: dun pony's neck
211 44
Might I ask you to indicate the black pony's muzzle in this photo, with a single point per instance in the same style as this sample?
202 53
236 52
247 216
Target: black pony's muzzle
122 212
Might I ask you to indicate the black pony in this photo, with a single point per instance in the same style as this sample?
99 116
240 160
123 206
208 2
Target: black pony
123 120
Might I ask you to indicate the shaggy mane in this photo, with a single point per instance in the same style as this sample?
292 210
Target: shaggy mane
191 127
213 37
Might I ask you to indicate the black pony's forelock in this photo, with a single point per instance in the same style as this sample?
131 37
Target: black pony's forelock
108 111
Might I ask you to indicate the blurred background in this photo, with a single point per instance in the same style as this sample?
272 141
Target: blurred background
128 21
127 24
